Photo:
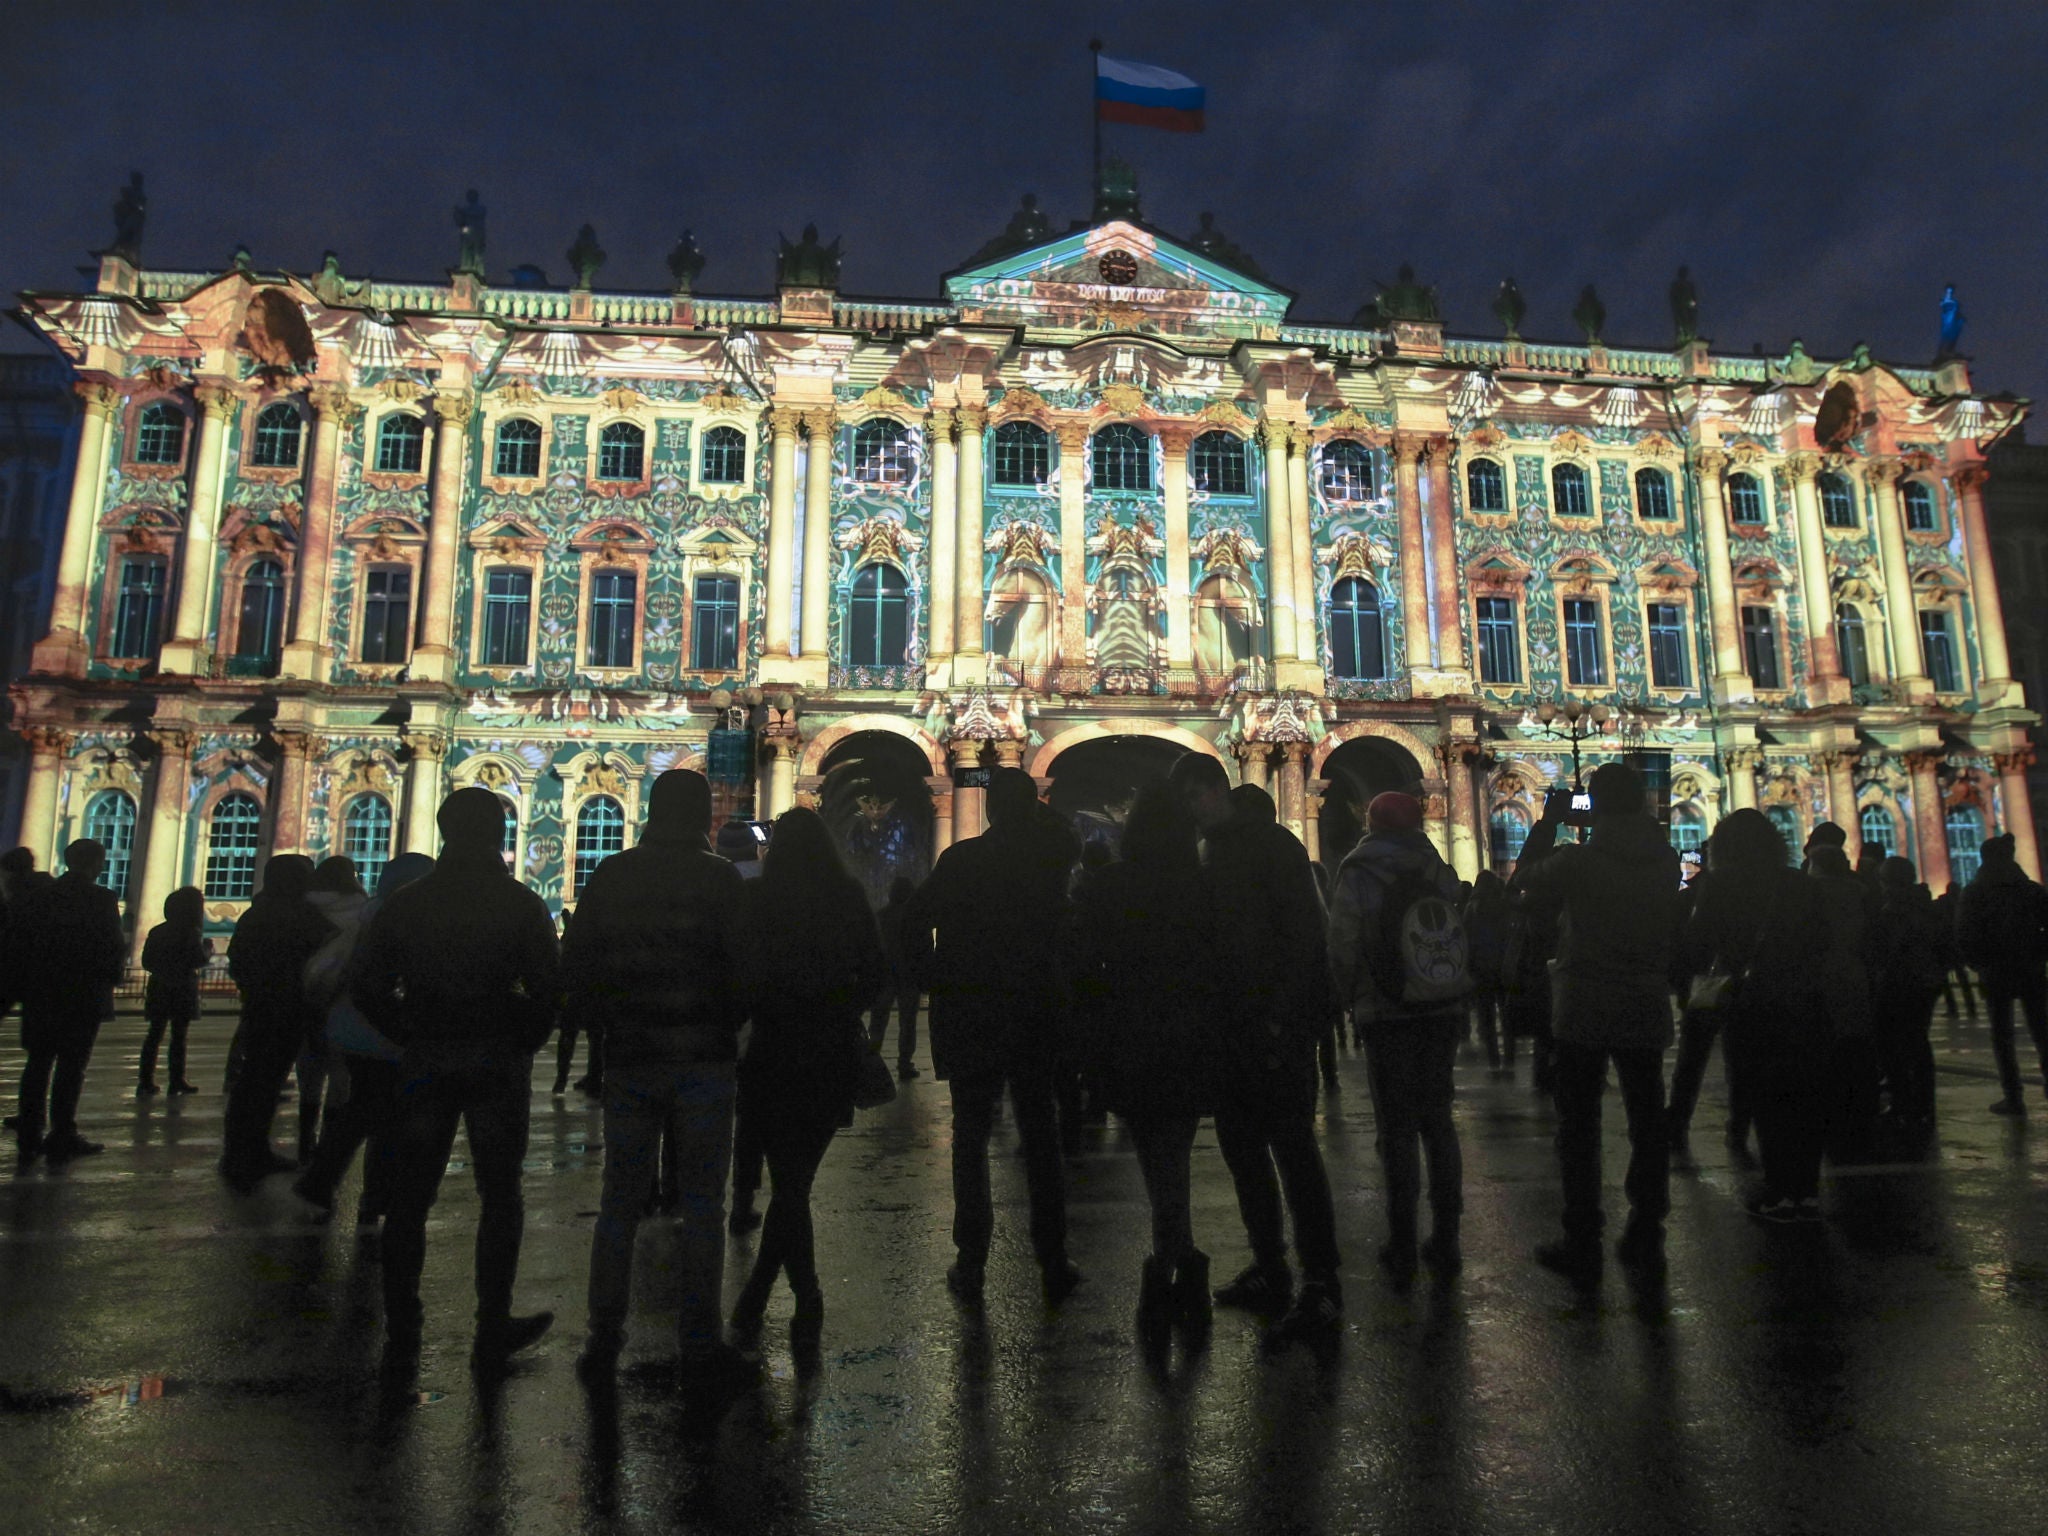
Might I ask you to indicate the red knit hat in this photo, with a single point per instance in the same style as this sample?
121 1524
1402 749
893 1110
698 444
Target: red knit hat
1393 811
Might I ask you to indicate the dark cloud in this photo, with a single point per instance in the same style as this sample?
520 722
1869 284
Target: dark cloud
1823 169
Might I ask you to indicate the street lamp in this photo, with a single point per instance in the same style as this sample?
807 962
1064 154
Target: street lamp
1573 721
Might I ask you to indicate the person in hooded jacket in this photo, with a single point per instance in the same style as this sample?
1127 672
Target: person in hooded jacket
1906 979
1411 1049
1617 895
67 936
267 957
2002 930
173 955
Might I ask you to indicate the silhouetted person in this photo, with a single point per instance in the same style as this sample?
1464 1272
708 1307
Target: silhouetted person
651 970
998 904
1271 962
1763 925
460 970
1391 955
1617 896
72 955
2002 928
1486 932
1955 974
1532 944
1845 993
739 847
1145 1004
365 1116
571 1026
338 896
1698 1030
267 956
1906 978
803 1053
901 990
173 955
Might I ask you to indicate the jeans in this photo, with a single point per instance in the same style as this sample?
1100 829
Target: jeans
794 1144
1905 1053
2030 991
1257 1135
59 1046
486 1092
367 1114
1951 981
693 1102
1581 1080
1697 1033
1494 1033
748 1161
1410 1065
178 1024
975 1100
269 1041
906 1023
1164 1143
565 1054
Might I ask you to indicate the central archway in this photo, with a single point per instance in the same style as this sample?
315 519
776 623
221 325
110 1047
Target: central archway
1356 771
875 799
1094 782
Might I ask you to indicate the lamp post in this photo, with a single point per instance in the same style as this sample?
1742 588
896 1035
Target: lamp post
1573 721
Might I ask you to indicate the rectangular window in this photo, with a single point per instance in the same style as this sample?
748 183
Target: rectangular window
1760 647
1938 645
508 607
139 610
1583 663
715 625
1667 646
1500 651
387 615
612 603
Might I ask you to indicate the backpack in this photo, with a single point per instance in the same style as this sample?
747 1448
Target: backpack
1423 956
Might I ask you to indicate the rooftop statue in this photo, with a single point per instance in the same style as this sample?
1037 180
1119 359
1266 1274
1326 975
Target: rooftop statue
1116 192
1798 367
1406 299
685 262
331 287
1590 315
807 264
586 256
1210 241
1685 308
1028 226
1509 307
243 260
469 219
131 209
1952 322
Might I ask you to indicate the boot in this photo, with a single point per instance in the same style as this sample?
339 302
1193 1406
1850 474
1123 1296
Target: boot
1155 1299
1191 1297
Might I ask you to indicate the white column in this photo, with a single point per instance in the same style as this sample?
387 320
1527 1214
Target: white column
943 586
308 653
163 834
1728 675
1443 561
48 747
1930 820
1280 546
816 659
781 578
423 795
189 649
1073 552
1416 619
969 666
1301 520
1902 621
433 658
64 650
1180 640
1824 681
1985 602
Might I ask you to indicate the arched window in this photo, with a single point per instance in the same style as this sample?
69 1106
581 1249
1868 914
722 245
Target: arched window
1919 501
1348 471
510 847
139 608
1486 486
600 833
724 461
1216 464
1653 495
259 632
276 444
621 451
1508 829
401 444
1877 828
366 837
160 434
1568 488
1121 458
1023 454
878 627
1358 646
614 603
110 822
231 847
1688 829
1785 822
1965 828
518 456
883 453
1853 643
508 615
1745 501
1837 501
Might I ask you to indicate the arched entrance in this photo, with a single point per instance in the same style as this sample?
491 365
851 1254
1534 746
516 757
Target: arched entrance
1094 782
875 800
1356 771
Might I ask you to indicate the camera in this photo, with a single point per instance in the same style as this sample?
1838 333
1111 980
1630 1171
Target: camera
1568 807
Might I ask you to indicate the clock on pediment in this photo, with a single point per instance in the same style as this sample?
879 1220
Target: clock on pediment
1118 268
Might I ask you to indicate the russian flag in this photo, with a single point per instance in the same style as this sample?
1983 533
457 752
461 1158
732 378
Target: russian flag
1147 95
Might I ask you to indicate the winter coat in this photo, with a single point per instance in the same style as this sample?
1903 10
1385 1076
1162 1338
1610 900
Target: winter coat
1357 915
809 968
268 953
1906 961
174 954
1769 928
2002 923
1618 899
69 950
1845 967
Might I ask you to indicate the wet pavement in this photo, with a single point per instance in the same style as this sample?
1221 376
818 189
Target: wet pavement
175 1358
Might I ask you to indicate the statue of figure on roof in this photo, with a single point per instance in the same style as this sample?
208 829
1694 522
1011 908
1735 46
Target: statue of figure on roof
331 286
131 209
1798 367
1508 308
1685 309
586 256
469 220
1210 241
1590 315
1952 323
1028 226
1116 192
1406 299
243 261
685 262
808 263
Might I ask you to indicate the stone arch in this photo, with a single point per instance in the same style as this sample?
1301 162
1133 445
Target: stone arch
1426 765
1102 730
820 746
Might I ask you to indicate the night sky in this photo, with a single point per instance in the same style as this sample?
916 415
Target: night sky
1823 169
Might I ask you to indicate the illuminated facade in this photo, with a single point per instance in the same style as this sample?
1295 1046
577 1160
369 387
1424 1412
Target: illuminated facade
335 547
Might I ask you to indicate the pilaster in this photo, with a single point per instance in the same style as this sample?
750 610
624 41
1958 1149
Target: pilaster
814 661
433 659
1416 619
944 460
189 651
783 424
970 667
1824 681
308 654
63 651
1995 686
423 792
165 833
1283 628
1902 619
1729 676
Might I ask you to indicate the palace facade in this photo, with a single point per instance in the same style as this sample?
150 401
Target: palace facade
337 546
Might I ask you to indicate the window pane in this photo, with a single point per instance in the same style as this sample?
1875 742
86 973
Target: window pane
387 614
1919 498
160 435
1582 642
1760 646
1216 464
879 633
508 605
882 453
1486 486
600 833
1121 458
1023 454
1500 657
259 635
518 449
612 604
1878 831
232 843
366 837
1837 502
1509 830
1965 829
1667 646
1688 829
277 438
1938 645
1347 472
1853 644
725 456
1357 641
1745 500
401 442
620 452
1568 484
110 822
715 625
1785 822
1653 494
138 609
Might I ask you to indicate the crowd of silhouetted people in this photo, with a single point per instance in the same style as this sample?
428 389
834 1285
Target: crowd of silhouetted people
734 1003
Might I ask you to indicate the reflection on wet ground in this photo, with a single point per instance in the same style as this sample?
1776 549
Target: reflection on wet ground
175 1357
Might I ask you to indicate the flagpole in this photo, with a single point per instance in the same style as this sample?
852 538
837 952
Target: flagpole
1095 110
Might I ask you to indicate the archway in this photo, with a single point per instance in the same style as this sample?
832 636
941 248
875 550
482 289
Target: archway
1356 771
1094 782
875 800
